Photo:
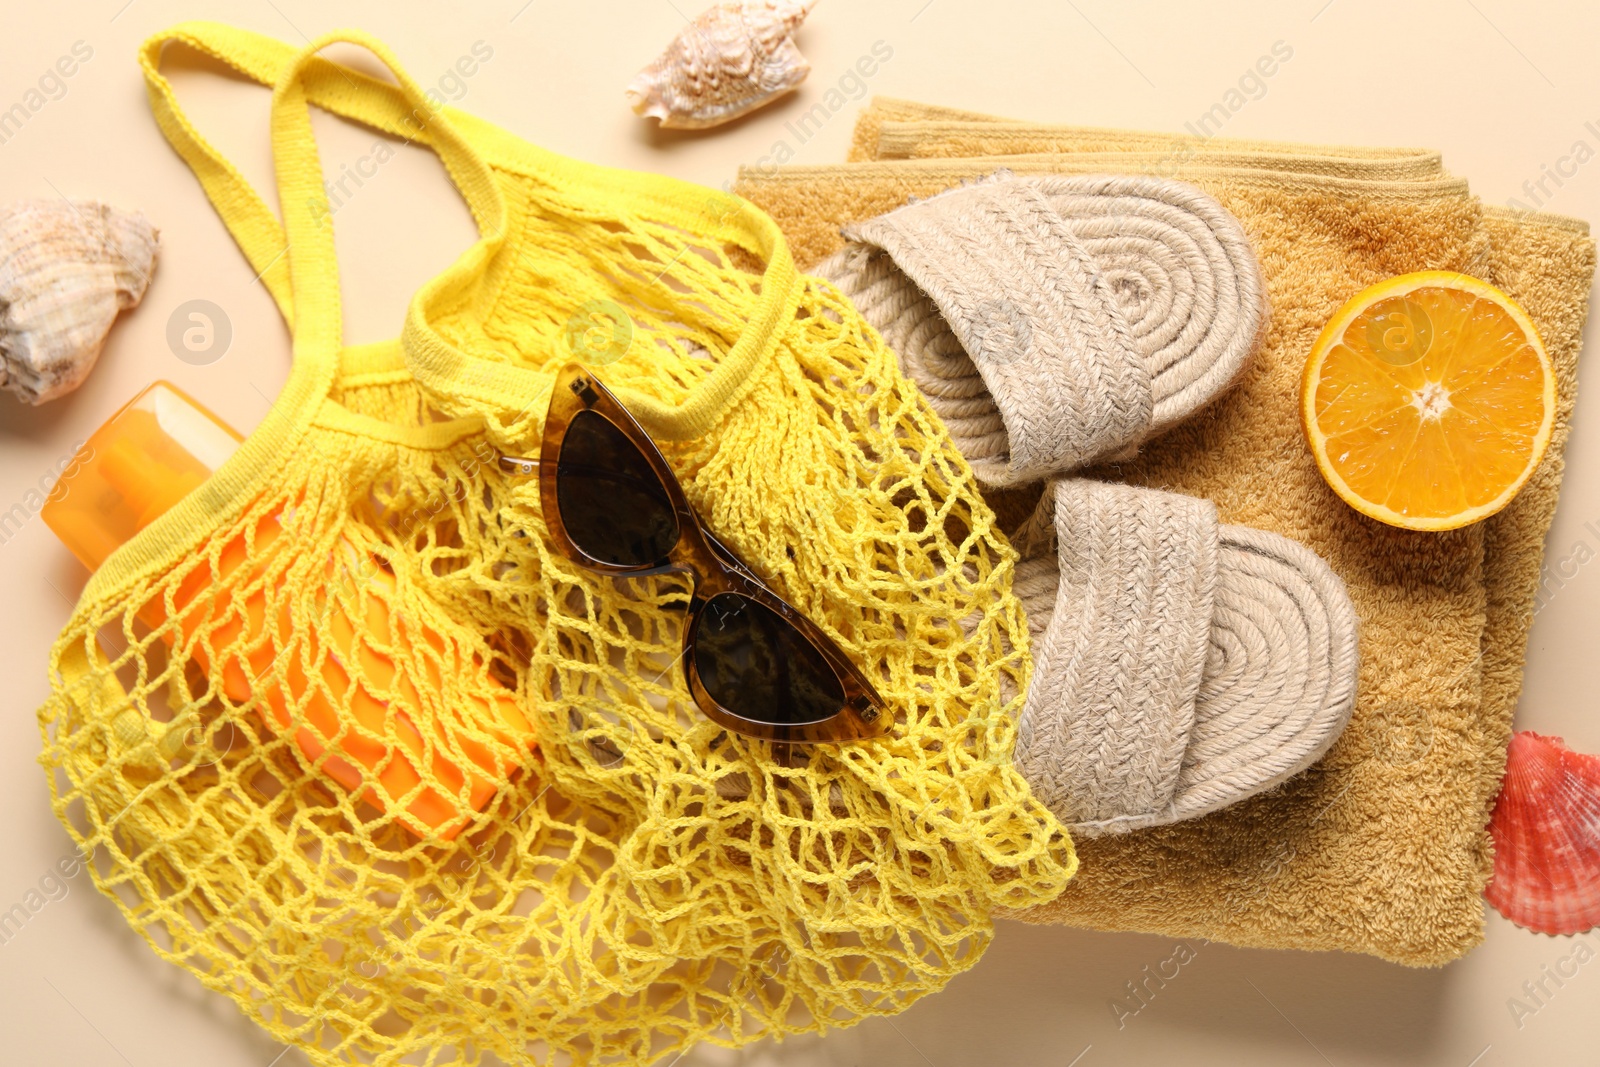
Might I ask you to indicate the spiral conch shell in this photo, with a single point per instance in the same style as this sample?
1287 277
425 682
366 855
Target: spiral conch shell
66 269
731 60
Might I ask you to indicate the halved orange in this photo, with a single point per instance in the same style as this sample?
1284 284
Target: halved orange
1428 400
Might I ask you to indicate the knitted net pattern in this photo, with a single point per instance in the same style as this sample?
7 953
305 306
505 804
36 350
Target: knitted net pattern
640 880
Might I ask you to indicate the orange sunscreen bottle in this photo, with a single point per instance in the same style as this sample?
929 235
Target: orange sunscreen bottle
160 447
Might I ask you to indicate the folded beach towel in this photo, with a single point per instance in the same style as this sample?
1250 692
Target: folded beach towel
1380 848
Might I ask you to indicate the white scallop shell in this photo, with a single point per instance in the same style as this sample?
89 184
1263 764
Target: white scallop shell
66 269
731 60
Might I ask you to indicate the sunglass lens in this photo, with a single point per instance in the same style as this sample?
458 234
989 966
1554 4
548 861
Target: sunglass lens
612 504
761 668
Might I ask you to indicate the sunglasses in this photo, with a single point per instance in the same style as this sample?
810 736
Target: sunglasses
755 665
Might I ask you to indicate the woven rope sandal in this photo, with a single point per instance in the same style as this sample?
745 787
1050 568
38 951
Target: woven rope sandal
1180 665
1057 321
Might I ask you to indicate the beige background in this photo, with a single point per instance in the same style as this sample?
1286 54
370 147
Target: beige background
1505 89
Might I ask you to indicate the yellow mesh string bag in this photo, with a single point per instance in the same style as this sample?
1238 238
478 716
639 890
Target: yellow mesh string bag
637 880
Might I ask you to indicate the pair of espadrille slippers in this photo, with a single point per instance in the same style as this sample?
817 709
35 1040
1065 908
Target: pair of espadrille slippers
1180 664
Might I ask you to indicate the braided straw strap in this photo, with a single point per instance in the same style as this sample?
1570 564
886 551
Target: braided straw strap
1179 665
1037 319
1013 297
1111 706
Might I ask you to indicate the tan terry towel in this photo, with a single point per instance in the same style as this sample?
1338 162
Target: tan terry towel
1380 848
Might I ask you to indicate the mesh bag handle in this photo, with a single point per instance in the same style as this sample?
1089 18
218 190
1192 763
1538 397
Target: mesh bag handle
400 109
298 79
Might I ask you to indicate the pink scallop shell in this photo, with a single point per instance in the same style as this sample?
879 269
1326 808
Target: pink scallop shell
1546 830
